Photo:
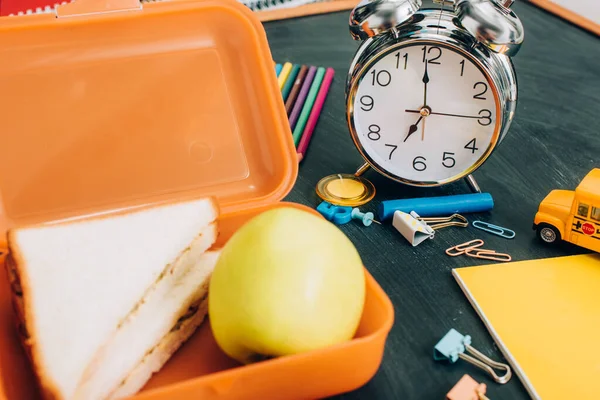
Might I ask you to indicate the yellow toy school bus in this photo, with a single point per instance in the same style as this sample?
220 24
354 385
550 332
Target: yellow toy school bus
573 216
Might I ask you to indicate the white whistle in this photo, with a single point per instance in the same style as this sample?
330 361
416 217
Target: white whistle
413 229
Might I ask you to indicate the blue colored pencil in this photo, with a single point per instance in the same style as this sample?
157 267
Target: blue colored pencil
278 68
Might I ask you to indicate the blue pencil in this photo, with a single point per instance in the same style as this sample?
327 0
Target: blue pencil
278 68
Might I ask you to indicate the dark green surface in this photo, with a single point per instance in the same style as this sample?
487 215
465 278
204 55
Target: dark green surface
553 143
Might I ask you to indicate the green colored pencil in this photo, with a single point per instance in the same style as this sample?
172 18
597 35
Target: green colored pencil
308 105
287 86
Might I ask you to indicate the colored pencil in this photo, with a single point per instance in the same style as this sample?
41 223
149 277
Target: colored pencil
285 71
319 7
310 100
287 86
316 111
301 97
278 69
289 103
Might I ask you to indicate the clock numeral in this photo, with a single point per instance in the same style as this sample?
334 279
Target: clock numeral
471 146
383 77
419 163
405 56
374 132
462 67
394 147
447 158
367 103
485 120
436 51
479 96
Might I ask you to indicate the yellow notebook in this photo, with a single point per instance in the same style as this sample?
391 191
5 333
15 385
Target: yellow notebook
545 317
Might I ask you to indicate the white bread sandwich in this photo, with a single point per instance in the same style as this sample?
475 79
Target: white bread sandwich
102 303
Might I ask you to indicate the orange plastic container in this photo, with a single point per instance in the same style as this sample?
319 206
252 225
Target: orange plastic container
8 7
113 104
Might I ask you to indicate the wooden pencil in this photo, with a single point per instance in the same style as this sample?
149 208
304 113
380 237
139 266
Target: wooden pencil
308 105
289 82
289 103
285 71
307 9
574 18
315 112
293 118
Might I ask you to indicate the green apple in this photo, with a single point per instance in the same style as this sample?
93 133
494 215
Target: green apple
287 282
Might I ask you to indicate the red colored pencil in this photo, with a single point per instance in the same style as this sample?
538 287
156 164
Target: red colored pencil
315 112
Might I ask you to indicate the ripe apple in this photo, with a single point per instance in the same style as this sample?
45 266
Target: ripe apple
287 281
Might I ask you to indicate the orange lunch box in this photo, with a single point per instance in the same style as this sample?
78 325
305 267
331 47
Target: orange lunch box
113 104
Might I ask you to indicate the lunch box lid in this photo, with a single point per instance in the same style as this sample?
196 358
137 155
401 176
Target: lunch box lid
107 105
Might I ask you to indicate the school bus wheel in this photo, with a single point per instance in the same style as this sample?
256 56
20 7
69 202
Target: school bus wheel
548 233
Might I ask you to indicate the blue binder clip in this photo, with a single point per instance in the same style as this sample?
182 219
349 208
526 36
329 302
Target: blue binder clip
454 346
339 215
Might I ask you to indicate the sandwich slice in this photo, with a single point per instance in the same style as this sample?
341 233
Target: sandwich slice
102 303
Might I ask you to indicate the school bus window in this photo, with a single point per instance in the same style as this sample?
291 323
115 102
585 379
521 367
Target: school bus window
596 213
583 210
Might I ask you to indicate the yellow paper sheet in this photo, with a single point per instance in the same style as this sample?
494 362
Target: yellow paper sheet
545 316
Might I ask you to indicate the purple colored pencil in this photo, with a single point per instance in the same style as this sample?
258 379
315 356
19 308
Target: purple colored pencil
302 97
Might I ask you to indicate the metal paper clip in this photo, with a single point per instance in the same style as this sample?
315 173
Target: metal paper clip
454 346
494 229
488 255
461 249
444 222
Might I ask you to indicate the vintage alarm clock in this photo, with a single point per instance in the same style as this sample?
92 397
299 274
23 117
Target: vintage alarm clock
431 90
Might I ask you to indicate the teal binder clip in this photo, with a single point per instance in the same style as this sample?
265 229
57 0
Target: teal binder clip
494 229
454 345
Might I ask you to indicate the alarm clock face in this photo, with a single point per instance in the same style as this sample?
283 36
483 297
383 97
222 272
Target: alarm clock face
424 113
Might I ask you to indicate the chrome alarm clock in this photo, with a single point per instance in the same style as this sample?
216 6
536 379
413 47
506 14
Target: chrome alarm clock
431 90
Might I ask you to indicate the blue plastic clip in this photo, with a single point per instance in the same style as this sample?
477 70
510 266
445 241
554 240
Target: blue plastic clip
339 215
494 229
454 345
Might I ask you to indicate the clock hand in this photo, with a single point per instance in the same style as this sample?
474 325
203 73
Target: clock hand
423 131
446 115
413 128
457 115
425 81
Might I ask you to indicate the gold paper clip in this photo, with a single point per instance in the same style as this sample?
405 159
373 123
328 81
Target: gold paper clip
461 249
488 255
473 249
444 222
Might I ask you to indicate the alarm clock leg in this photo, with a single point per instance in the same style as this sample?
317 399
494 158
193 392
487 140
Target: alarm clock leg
362 169
473 184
